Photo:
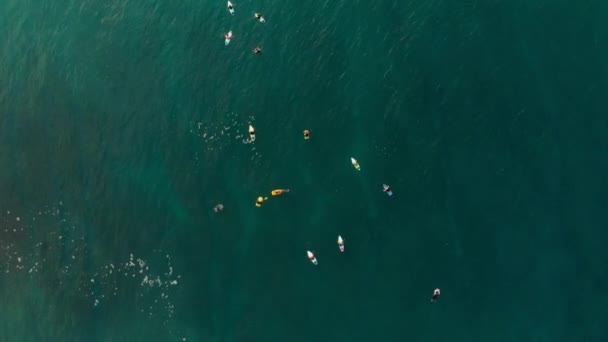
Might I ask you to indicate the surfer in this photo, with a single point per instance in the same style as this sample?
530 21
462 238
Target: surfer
387 189
251 133
227 37
435 297
260 200
312 257
355 163
306 134
340 243
277 192
259 17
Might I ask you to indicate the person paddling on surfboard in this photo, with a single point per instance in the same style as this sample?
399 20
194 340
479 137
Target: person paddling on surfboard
277 192
387 189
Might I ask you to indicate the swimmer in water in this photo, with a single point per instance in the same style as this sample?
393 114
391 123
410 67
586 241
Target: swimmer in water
257 51
218 208
306 134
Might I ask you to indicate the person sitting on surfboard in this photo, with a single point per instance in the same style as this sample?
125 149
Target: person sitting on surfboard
260 200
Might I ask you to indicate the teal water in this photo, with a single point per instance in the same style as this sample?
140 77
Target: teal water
123 122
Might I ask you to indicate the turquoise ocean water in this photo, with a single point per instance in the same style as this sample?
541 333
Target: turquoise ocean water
123 122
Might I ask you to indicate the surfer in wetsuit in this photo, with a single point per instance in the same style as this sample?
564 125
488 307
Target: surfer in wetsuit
259 18
435 297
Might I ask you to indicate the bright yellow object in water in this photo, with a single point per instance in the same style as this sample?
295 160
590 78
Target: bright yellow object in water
277 192
259 201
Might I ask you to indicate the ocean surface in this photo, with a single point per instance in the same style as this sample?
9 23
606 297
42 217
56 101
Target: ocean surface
123 122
